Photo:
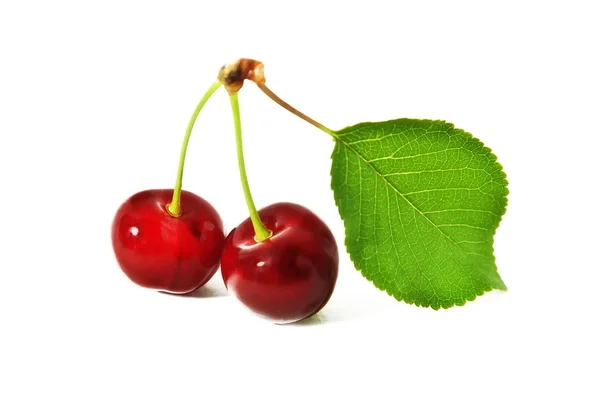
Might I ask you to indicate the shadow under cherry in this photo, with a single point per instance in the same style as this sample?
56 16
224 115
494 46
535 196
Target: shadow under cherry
207 291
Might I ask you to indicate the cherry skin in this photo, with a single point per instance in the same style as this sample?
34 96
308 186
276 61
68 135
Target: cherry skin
160 251
289 276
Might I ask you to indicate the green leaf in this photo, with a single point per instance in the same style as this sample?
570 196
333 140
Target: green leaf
421 201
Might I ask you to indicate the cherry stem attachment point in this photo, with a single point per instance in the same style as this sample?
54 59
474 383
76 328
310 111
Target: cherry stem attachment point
261 233
174 208
292 109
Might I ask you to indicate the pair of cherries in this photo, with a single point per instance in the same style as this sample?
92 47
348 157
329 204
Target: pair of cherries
285 274
285 278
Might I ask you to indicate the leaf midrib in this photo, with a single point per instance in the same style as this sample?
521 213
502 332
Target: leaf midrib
381 176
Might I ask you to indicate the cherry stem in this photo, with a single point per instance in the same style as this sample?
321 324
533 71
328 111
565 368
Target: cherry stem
174 208
293 110
261 233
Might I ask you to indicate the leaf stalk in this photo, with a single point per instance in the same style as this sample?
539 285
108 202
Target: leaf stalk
263 87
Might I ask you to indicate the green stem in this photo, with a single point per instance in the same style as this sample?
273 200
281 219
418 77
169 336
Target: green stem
293 110
174 208
261 233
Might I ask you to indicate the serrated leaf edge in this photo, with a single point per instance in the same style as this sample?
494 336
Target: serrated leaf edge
493 159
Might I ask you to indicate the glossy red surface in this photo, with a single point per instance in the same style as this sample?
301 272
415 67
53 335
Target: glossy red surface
289 276
159 251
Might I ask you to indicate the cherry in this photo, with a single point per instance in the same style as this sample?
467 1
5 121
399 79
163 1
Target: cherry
289 276
160 251
169 239
282 261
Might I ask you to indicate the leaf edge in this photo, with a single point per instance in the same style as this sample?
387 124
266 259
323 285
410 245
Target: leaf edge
506 190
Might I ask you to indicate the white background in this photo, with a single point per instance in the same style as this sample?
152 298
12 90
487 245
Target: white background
94 100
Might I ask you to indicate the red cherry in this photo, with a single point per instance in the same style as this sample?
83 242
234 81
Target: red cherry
160 251
289 276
